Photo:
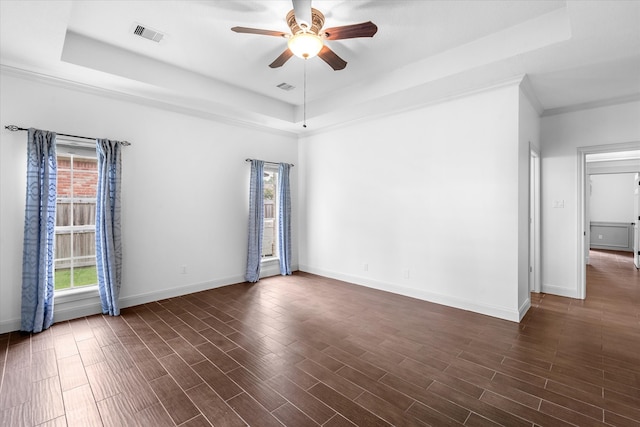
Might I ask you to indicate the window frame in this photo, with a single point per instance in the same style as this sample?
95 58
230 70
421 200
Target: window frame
76 150
275 257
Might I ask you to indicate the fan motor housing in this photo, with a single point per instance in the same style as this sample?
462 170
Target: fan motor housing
317 22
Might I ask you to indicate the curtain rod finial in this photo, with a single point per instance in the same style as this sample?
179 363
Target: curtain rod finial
12 128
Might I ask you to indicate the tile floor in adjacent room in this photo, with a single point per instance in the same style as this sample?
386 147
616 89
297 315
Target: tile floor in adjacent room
306 350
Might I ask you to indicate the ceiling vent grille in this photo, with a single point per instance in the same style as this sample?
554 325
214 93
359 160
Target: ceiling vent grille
286 86
147 33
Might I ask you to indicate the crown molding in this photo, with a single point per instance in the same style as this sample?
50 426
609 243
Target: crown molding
140 100
529 92
364 112
423 103
592 104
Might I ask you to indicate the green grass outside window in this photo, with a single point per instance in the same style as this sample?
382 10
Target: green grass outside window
82 276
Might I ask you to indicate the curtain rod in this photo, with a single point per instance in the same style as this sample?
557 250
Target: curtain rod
271 163
14 128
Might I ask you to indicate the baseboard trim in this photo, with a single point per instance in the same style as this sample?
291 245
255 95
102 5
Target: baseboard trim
133 300
89 308
9 326
269 269
91 305
526 305
460 303
559 291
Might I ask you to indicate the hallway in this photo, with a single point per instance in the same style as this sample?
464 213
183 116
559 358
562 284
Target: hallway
612 278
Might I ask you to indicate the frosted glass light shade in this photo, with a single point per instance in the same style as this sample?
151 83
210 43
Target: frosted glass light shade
305 45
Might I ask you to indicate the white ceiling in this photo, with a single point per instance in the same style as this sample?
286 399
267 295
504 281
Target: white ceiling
575 53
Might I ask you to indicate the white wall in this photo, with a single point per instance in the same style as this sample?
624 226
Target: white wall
185 189
423 203
612 197
529 137
561 136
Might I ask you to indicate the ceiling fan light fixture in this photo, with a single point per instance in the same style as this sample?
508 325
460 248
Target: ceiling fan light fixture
305 45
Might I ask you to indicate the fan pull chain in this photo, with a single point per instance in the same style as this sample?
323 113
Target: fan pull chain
304 105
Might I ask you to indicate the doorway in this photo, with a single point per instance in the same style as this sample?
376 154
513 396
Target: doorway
534 219
630 152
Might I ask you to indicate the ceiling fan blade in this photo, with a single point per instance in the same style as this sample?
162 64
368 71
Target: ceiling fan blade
364 29
332 59
259 31
302 11
280 60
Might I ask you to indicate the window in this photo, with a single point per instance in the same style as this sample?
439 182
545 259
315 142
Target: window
270 233
75 249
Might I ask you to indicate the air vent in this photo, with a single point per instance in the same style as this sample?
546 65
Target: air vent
286 86
147 33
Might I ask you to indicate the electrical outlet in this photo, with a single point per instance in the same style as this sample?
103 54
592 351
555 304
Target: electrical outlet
365 267
406 273
183 269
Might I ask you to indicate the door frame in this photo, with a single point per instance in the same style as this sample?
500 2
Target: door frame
581 232
534 219
636 221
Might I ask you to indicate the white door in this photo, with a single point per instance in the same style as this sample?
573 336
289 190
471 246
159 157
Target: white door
636 221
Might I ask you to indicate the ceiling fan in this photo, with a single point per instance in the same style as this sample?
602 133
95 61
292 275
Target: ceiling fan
307 35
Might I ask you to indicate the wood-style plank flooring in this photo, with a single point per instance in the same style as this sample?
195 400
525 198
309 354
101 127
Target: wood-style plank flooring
305 350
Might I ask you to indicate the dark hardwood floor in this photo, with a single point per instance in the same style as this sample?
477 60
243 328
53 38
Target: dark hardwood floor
305 350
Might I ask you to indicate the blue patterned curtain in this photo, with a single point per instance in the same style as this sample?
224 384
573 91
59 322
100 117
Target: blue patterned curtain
284 218
256 221
39 232
108 243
